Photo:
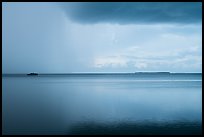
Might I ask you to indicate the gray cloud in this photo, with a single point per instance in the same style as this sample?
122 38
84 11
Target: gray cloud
134 12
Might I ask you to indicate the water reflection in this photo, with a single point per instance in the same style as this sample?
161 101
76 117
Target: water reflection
144 128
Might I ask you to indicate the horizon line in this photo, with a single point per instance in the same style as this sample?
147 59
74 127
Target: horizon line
106 72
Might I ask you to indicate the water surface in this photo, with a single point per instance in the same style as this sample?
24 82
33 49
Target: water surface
102 104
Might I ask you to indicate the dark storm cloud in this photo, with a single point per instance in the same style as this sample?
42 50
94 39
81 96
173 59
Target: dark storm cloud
134 12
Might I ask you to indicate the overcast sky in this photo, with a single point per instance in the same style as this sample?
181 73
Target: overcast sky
101 37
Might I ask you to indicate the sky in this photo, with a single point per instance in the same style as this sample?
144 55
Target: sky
101 37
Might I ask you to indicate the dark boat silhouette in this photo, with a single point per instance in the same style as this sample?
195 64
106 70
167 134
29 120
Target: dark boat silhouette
32 74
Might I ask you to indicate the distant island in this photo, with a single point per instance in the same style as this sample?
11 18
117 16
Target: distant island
152 72
32 74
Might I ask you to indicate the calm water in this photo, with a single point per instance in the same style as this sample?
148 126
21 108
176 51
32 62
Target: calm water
102 104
